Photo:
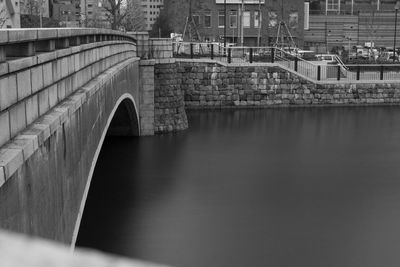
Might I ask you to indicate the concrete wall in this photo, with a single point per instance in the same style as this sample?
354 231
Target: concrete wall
45 171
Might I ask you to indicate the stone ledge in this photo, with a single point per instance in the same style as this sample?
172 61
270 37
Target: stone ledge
45 57
14 153
18 250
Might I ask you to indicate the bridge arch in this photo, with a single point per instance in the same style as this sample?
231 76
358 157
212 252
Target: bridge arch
122 121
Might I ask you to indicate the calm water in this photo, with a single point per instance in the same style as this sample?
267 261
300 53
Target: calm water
278 187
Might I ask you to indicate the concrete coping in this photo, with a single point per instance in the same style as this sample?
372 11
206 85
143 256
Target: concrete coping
8 36
19 250
42 58
18 150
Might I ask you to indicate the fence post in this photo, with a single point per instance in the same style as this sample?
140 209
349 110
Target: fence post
191 50
212 51
272 55
338 73
381 76
229 55
358 72
318 73
296 62
251 55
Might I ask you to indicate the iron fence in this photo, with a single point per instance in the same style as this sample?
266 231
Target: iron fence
316 70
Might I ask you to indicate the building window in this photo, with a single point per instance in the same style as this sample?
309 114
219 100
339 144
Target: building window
256 19
207 20
221 19
246 19
196 20
233 19
332 5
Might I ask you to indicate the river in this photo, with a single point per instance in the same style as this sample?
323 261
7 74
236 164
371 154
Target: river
284 187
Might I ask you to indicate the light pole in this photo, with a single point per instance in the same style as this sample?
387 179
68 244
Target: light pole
395 30
225 24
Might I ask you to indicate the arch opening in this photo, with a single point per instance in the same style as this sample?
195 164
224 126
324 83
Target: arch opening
125 121
122 121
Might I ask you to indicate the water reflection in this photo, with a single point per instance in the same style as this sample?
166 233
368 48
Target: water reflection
279 187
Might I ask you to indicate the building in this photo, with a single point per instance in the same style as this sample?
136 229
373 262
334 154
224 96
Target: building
67 12
93 14
248 22
151 11
346 23
350 7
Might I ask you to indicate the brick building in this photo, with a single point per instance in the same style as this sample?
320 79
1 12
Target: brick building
256 17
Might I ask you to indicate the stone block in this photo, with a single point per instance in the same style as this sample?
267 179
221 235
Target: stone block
64 67
31 107
47 74
53 95
5 134
52 120
11 160
26 145
21 63
22 35
43 102
24 86
37 78
17 118
8 91
2 176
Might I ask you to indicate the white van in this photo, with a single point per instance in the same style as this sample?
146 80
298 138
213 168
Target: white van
328 58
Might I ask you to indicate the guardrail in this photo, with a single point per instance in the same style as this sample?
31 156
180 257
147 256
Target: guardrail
315 70
29 42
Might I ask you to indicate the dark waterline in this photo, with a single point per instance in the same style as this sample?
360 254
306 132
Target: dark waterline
279 187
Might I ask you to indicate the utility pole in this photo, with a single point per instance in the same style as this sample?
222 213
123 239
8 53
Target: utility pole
259 23
242 26
395 30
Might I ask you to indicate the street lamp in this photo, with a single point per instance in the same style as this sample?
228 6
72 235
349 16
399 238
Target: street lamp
395 29
224 24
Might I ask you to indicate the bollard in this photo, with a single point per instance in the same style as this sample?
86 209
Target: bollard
318 73
191 50
338 73
381 74
229 55
212 51
251 55
358 72
272 55
296 62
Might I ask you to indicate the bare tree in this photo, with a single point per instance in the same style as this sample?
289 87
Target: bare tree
3 16
114 16
134 19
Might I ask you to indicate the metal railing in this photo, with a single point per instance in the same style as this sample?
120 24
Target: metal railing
315 70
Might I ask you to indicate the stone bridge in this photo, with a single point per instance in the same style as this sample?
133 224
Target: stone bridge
61 92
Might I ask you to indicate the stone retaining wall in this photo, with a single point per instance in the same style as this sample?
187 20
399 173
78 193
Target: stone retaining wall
211 85
169 106
199 84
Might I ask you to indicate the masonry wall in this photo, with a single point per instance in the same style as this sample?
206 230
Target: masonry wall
169 106
45 171
210 85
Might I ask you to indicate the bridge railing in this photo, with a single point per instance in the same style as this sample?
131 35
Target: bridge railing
28 42
40 68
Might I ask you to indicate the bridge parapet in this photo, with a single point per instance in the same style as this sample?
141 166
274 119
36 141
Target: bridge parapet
30 85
